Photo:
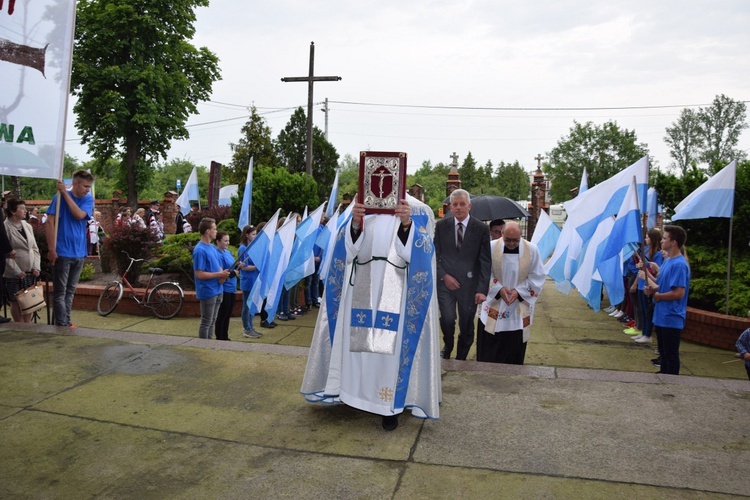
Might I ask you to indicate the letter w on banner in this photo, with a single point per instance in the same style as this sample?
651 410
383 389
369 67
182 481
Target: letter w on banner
36 47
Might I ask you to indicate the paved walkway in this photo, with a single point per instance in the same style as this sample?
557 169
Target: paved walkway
143 409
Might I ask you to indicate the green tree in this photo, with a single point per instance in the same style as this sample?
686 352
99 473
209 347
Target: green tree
166 175
276 187
685 140
291 145
513 181
721 124
137 78
256 142
469 174
603 150
432 179
348 176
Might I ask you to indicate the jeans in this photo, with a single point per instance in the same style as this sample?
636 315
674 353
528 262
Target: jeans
283 307
209 312
669 349
65 281
312 296
247 318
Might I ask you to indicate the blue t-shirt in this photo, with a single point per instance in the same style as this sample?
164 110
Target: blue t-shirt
658 258
247 278
675 273
226 259
72 234
206 258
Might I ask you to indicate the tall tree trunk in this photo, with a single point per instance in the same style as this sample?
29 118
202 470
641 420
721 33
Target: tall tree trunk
131 164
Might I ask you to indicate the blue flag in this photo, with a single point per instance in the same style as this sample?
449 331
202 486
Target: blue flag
247 198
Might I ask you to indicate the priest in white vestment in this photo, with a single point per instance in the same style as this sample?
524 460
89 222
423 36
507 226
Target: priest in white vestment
376 344
517 278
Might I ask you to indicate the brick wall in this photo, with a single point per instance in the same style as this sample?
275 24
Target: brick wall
713 329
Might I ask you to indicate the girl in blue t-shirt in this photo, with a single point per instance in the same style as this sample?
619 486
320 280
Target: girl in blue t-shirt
226 259
652 250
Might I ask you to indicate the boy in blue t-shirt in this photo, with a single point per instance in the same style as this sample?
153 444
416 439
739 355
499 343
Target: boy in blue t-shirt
209 277
670 296
70 250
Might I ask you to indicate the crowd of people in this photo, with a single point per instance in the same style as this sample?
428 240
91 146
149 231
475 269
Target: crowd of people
658 282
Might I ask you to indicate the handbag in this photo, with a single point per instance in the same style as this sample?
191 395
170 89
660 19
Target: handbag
31 299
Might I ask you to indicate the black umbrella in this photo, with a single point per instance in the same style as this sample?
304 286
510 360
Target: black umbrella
489 207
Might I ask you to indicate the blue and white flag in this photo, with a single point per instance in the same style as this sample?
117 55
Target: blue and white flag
653 208
627 227
302 255
586 210
327 239
714 198
545 235
189 193
282 251
588 280
261 252
247 198
227 193
584 182
334 195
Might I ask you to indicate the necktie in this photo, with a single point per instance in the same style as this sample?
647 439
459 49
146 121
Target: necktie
459 235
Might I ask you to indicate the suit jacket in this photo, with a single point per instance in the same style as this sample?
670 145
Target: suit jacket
471 265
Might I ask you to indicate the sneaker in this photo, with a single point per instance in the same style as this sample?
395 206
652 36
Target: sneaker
252 334
617 313
630 331
266 324
624 318
643 340
630 324
656 361
282 317
609 309
636 338
291 316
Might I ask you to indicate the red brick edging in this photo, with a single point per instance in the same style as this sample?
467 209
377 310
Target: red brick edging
713 329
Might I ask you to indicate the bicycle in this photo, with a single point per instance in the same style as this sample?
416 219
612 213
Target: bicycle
165 299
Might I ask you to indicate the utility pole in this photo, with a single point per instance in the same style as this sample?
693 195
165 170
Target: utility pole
325 110
310 79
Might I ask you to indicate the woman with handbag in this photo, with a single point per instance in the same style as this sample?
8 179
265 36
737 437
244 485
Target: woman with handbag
22 271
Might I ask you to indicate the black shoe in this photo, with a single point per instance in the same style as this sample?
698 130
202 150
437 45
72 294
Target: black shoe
390 422
266 324
656 361
4 320
316 304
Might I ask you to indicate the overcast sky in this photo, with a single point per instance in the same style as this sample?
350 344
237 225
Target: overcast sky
393 54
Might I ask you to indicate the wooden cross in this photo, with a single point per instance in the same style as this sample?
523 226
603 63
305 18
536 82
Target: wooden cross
310 79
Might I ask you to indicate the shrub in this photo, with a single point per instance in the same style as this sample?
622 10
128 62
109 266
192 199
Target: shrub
137 241
87 272
229 226
218 214
708 280
176 255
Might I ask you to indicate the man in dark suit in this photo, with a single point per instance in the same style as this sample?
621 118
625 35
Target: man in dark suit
462 247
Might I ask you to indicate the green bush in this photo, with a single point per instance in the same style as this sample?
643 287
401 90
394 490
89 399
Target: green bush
176 254
139 243
87 272
708 280
229 226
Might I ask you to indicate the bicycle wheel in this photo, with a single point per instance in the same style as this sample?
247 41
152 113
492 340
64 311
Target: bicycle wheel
109 298
165 300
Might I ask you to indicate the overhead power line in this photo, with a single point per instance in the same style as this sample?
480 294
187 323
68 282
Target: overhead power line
488 108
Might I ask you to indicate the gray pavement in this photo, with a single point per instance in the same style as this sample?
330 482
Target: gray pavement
133 407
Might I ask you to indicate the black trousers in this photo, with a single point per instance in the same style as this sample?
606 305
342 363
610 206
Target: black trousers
221 330
449 301
502 347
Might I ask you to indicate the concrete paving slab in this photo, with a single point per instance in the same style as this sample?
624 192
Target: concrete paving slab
73 458
667 435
